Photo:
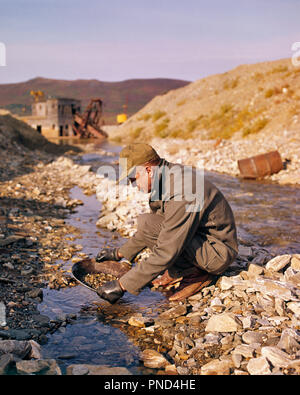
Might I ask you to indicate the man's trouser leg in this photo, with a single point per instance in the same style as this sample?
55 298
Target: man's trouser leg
148 229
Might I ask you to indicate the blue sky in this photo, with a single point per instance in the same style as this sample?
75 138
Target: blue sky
114 40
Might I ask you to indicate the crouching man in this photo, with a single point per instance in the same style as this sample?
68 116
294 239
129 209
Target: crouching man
190 231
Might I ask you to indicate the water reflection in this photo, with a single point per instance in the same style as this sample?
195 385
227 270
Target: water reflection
266 214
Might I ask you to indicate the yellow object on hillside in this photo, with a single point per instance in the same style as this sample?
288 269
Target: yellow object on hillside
38 95
121 118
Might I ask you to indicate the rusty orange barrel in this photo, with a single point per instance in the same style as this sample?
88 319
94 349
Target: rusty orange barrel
260 166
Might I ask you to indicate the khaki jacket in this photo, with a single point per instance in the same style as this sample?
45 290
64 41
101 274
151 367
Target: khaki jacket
194 211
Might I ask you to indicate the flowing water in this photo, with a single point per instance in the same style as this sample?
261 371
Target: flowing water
266 214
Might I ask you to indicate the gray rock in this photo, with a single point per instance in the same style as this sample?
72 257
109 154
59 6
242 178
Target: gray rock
226 283
244 350
212 338
245 252
182 370
35 351
237 359
35 293
278 263
140 321
47 367
254 270
275 288
277 357
173 312
258 366
289 340
224 322
248 322
153 359
2 314
6 361
17 334
18 348
42 320
79 370
295 262
217 367
294 307
252 337
280 307
94 370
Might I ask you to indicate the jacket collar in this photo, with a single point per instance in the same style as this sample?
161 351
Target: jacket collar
157 183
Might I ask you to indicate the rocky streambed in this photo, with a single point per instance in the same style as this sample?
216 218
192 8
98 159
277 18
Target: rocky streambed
248 322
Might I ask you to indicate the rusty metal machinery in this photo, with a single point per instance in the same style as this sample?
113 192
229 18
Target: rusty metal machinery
89 123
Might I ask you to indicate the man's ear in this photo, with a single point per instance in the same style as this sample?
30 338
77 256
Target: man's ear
149 170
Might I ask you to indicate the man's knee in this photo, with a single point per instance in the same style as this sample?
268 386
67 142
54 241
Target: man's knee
213 257
217 263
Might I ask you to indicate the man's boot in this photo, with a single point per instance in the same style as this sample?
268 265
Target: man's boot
165 280
192 284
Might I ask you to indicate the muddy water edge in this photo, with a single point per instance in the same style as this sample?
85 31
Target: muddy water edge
88 330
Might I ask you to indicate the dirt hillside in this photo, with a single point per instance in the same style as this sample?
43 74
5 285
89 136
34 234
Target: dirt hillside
250 100
22 147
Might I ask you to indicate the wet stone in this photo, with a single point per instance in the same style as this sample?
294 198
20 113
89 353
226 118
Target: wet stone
40 366
139 321
173 312
18 348
6 362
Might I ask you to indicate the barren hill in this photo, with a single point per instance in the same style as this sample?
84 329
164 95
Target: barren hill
136 93
250 99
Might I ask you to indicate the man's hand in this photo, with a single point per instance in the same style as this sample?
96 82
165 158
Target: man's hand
108 255
111 291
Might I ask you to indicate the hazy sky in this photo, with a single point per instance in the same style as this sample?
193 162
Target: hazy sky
114 40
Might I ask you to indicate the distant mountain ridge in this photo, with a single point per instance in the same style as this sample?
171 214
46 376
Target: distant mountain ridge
251 99
136 93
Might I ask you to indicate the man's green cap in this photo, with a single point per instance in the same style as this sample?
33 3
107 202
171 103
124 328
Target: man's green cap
135 155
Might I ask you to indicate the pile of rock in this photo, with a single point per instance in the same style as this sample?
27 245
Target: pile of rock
248 323
24 357
121 205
